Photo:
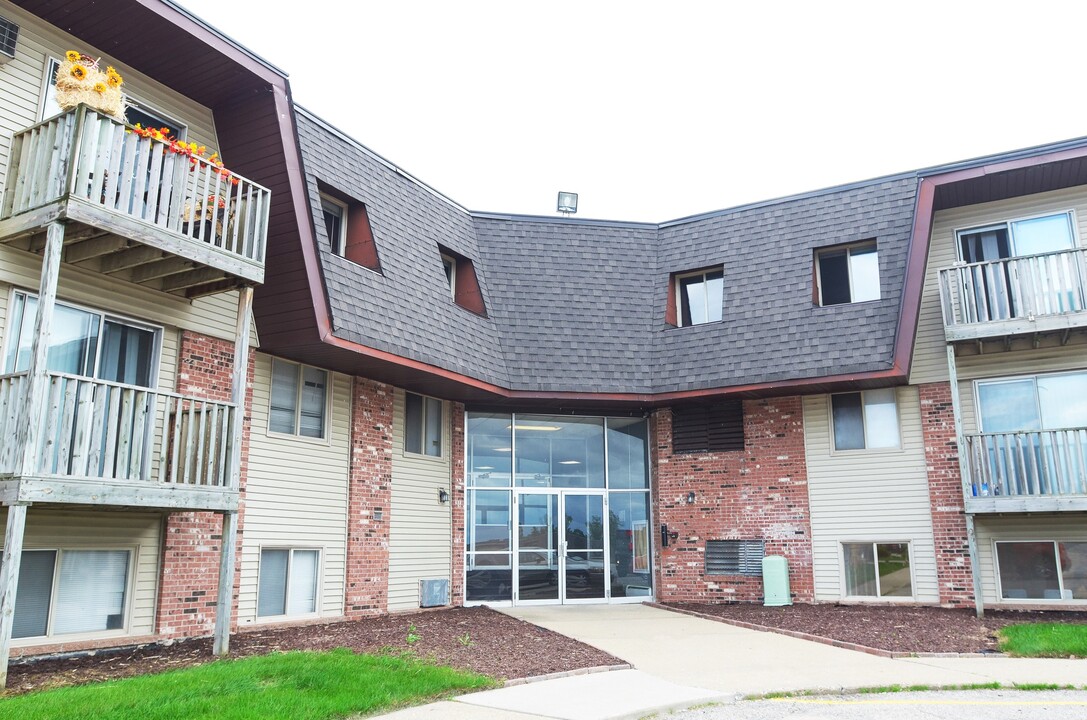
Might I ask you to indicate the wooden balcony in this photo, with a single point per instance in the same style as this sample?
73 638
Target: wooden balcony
1015 296
104 443
133 208
1039 471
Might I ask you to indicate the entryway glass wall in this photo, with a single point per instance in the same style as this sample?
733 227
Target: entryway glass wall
558 509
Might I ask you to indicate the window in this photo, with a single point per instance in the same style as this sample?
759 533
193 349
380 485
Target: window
84 343
1015 238
708 428
299 399
734 557
877 569
847 274
422 425
334 213
287 583
865 420
459 273
70 591
1041 402
1047 570
699 297
450 265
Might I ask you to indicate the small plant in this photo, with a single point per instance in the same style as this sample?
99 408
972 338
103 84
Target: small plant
465 640
413 637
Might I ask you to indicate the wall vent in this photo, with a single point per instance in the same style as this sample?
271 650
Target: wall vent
734 557
433 593
9 33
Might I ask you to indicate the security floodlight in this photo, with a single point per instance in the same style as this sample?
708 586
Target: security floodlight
567 202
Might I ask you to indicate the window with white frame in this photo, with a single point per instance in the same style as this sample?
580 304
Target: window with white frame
877 569
848 274
287 582
1016 238
334 214
449 264
1034 402
299 399
85 343
1042 570
64 591
865 420
699 296
422 425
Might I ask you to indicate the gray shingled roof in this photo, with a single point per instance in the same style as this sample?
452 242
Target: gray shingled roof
578 306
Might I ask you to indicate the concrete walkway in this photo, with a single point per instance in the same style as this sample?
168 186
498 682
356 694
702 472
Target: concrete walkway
682 661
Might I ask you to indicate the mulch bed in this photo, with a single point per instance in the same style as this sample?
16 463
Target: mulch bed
891 628
476 639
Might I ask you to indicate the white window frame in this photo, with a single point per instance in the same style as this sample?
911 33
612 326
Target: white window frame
879 596
449 267
126 610
1033 377
1007 225
1056 560
325 438
339 244
440 457
678 292
863 245
103 316
318 581
864 420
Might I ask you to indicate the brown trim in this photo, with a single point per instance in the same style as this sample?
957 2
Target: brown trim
909 309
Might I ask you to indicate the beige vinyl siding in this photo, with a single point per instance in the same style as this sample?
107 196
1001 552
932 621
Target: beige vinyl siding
868 495
929 354
1061 526
296 494
419 528
48 528
22 82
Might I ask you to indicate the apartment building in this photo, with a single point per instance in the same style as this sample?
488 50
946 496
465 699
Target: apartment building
329 390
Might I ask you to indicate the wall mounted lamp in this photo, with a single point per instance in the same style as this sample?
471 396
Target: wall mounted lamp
690 498
443 496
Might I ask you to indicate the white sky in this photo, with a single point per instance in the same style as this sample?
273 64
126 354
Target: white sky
656 110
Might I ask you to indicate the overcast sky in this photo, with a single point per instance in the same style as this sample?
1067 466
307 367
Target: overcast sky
656 110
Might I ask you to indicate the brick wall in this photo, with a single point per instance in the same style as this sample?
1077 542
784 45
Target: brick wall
953 570
369 498
457 501
189 580
760 492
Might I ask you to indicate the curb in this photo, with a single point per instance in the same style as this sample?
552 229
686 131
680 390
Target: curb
567 673
895 655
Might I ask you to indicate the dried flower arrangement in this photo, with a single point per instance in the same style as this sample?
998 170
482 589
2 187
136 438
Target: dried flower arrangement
189 149
80 80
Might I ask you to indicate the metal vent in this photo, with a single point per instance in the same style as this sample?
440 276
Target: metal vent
433 593
734 557
9 33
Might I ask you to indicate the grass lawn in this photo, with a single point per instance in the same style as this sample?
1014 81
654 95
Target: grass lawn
294 686
1044 640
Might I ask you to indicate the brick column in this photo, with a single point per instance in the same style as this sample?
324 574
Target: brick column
369 498
953 570
760 492
189 577
458 504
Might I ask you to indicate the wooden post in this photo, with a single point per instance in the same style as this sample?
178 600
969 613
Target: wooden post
9 582
225 605
964 472
37 378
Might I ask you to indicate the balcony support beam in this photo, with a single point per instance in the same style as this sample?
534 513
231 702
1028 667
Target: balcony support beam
964 475
224 607
9 582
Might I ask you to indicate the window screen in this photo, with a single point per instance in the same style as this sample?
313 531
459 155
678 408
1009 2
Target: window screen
284 397
35 593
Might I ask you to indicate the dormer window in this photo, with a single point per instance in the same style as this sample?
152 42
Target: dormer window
696 297
460 276
347 228
450 264
847 274
334 213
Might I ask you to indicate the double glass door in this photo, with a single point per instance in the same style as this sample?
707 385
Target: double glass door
561 547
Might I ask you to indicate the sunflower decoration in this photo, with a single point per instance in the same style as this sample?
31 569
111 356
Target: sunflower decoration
80 80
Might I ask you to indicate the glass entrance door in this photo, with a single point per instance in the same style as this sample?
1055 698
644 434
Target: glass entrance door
561 552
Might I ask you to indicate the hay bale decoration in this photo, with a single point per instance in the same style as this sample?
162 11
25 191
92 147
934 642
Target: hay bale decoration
80 80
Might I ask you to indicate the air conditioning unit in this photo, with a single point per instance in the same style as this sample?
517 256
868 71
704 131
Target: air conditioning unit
9 33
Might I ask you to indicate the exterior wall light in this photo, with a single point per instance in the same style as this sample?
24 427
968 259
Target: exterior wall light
567 202
690 498
443 496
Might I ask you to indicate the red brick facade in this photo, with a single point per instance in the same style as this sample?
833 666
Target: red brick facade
458 501
760 492
369 497
953 570
189 578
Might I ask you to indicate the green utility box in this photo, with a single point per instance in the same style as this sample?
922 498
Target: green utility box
775 581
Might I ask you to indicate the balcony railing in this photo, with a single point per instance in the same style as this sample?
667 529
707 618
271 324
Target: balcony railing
1025 465
96 430
1019 294
89 157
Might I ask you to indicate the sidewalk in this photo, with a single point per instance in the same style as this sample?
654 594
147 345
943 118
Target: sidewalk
682 661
